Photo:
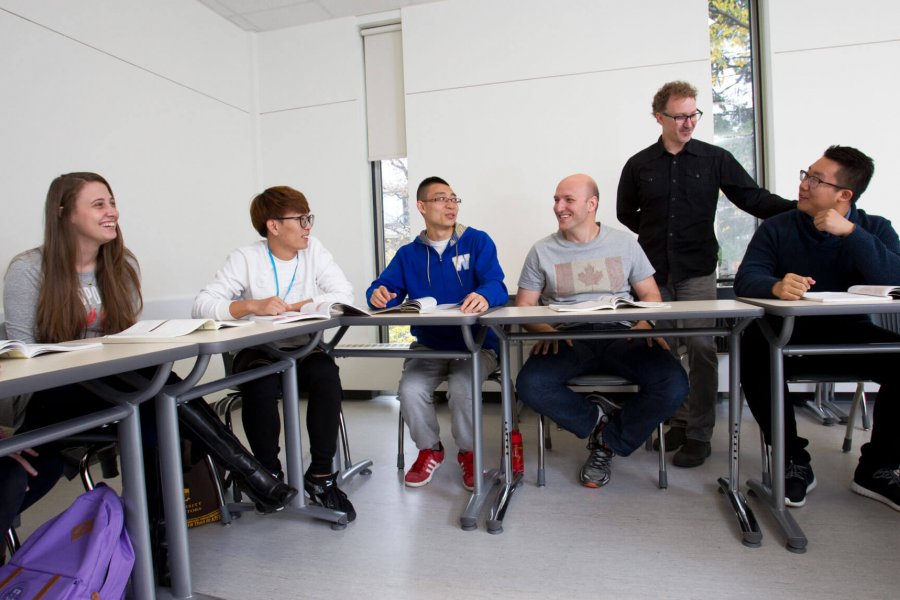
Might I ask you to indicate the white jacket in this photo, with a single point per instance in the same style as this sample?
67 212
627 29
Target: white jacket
248 275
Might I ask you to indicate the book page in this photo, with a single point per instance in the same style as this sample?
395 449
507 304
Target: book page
843 297
876 290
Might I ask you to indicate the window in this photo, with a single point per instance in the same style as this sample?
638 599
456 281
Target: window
390 184
734 118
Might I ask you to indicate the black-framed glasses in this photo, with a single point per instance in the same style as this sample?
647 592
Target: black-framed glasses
306 221
680 119
444 200
814 181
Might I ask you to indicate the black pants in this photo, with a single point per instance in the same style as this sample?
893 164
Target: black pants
884 448
14 498
318 376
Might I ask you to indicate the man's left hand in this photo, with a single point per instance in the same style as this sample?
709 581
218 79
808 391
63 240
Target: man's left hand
474 303
832 222
661 342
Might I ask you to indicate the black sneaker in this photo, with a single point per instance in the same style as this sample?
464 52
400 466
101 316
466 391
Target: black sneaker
692 454
324 491
881 484
799 480
675 438
604 404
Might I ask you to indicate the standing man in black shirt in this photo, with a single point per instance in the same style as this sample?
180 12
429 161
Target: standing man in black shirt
668 194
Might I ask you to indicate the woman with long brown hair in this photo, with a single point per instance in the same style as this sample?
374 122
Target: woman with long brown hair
81 283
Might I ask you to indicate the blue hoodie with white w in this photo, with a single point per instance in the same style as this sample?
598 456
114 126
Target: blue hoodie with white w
468 264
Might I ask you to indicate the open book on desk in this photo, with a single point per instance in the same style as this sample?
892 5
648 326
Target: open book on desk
312 310
326 310
606 302
159 330
857 293
17 349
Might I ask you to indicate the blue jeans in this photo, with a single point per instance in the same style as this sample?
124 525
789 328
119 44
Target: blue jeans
662 387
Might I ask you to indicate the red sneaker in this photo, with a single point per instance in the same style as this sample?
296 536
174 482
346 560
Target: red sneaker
466 462
424 467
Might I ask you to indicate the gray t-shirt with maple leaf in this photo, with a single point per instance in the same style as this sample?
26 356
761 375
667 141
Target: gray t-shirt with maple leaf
565 271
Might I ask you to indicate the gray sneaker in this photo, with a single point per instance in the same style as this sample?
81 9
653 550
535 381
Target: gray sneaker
596 469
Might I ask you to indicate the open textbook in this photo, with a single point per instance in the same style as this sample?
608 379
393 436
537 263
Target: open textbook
606 302
857 293
326 310
157 330
17 349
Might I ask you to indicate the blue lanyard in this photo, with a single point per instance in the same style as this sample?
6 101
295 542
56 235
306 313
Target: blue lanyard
275 271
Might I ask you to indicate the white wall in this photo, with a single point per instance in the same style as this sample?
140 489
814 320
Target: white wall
155 97
504 99
313 138
834 83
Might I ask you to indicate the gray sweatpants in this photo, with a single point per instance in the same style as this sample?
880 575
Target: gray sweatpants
421 376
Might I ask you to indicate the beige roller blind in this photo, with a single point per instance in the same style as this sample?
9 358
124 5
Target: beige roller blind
385 106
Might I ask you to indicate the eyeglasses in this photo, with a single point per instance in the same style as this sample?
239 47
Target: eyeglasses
306 221
444 200
680 119
814 181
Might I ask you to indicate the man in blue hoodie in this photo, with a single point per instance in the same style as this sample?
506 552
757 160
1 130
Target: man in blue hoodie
453 264
826 245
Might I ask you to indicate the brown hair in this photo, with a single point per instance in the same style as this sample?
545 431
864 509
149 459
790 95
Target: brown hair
672 89
60 311
273 204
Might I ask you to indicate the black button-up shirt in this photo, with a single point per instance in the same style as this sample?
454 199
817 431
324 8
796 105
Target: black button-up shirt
670 202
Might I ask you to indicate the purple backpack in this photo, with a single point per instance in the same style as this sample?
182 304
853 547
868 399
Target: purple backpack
84 552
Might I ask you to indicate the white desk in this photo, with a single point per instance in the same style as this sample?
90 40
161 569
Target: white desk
500 320
772 492
469 518
19 376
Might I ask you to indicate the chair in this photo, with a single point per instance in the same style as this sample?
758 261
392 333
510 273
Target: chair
594 381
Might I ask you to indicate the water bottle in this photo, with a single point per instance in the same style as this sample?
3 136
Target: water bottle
517 452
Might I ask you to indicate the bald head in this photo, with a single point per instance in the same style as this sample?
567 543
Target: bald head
575 207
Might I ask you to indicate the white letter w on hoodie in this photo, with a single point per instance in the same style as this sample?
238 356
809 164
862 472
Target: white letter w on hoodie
461 262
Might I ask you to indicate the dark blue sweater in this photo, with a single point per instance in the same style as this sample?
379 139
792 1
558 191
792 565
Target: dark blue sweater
790 243
469 264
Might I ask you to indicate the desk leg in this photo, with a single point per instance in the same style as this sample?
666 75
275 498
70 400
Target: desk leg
510 480
730 486
774 495
173 495
134 492
294 454
469 518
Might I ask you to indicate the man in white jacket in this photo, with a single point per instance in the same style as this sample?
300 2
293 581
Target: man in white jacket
286 270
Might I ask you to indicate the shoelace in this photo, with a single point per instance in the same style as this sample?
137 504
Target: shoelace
795 470
892 475
599 457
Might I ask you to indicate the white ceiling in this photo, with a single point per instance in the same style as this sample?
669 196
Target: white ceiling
267 15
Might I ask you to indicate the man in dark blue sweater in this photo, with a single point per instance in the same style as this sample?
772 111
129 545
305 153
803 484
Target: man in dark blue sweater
453 264
827 244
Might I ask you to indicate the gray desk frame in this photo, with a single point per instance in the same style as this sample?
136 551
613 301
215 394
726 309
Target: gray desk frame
469 518
208 344
19 376
499 320
771 490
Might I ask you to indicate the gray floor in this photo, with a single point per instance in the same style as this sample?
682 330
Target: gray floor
627 540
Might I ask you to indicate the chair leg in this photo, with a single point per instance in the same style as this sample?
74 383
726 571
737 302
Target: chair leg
866 419
350 470
12 541
766 460
663 476
541 479
401 463
858 403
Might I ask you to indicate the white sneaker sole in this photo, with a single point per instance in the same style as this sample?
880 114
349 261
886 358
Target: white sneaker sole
858 489
809 488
